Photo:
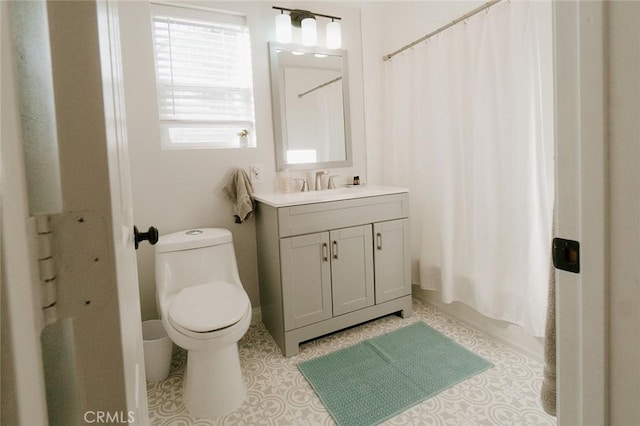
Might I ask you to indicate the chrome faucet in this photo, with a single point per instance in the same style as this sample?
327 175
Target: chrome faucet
319 179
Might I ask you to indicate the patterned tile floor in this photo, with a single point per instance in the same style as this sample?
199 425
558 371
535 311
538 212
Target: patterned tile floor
278 394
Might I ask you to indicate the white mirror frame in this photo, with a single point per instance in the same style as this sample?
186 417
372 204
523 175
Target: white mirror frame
279 114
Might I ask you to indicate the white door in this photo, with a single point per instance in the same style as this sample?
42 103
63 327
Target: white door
581 201
122 210
94 176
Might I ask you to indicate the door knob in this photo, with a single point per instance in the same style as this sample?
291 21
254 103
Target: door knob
151 235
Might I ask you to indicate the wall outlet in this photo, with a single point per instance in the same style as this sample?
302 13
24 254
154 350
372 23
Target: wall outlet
256 172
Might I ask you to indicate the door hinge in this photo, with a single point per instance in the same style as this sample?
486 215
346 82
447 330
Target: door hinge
46 269
566 255
73 262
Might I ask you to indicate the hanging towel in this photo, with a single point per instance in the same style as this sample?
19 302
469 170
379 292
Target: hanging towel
548 390
239 190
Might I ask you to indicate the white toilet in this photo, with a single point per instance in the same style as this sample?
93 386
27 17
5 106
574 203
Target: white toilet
205 310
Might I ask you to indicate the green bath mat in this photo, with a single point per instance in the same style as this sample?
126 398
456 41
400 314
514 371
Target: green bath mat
374 380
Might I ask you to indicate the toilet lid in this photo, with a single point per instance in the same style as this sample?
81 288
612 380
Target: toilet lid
208 307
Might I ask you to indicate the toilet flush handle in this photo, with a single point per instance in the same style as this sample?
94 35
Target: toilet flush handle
151 235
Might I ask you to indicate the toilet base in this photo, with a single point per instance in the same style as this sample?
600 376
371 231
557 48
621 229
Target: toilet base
213 384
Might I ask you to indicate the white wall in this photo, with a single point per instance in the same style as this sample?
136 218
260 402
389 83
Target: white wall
181 189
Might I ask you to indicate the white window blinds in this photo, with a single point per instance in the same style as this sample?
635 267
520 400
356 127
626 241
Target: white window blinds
204 78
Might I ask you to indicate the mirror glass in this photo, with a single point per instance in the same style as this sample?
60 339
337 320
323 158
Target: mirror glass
309 89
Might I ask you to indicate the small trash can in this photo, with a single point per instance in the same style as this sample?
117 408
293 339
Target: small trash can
157 350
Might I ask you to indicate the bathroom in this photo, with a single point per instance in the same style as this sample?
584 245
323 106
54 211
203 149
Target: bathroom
181 189
192 193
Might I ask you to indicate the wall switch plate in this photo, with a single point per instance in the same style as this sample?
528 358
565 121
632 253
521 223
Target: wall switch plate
256 172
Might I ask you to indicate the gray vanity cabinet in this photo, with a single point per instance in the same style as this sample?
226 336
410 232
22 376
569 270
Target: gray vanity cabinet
330 265
326 274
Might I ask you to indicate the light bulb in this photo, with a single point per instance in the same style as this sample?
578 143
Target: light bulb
309 34
334 36
283 28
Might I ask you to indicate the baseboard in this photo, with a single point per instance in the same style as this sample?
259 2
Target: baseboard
256 316
510 334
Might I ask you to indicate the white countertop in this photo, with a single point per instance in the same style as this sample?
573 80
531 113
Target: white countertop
310 197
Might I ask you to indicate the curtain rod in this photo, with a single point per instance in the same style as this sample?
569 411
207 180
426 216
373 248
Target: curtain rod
439 30
320 86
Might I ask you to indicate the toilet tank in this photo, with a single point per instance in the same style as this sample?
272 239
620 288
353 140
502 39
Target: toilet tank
193 257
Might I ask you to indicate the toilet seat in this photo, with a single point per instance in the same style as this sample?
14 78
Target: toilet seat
208 307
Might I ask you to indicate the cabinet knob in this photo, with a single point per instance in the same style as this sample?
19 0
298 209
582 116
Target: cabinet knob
335 249
325 252
379 241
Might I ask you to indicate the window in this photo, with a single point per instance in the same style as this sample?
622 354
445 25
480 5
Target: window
203 78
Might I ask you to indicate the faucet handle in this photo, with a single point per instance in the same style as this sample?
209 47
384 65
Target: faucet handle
332 184
305 186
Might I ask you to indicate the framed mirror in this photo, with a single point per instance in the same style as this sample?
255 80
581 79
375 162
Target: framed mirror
310 95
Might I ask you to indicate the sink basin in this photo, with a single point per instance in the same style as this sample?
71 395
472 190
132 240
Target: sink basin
344 193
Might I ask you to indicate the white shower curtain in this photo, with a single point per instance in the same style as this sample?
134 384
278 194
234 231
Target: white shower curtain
468 128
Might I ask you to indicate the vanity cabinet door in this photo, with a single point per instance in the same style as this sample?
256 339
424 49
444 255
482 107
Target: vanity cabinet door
306 279
352 269
392 259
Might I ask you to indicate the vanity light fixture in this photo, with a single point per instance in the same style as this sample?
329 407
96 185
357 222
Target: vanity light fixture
309 32
334 36
307 22
283 28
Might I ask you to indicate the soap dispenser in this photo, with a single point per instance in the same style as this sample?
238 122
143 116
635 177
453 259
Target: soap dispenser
285 181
